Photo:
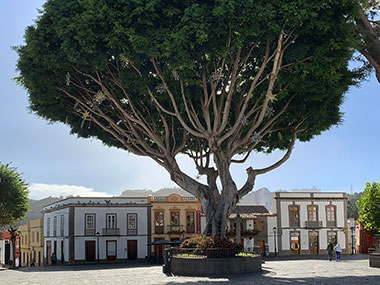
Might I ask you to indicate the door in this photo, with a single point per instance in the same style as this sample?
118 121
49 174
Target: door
111 250
132 249
48 252
90 250
313 242
62 251
158 249
261 244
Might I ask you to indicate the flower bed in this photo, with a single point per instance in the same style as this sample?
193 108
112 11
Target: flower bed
204 256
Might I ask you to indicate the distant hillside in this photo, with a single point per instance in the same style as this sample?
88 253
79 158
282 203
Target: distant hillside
161 192
36 208
260 197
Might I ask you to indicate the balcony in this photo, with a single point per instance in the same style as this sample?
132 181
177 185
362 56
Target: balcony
111 232
313 225
175 228
89 232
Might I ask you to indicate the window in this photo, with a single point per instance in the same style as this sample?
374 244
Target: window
48 227
174 221
294 219
190 222
132 224
90 224
312 212
159 222
32 236
111 221
55 226
331 237
38 237
62 225
330 216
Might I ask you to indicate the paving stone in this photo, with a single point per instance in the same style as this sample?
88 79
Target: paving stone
306 270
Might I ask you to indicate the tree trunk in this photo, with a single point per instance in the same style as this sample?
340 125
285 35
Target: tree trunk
371 46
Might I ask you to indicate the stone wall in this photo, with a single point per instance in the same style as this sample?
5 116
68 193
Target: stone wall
214 266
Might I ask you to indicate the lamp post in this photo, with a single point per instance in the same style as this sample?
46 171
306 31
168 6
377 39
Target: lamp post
275 241
97 244
352 239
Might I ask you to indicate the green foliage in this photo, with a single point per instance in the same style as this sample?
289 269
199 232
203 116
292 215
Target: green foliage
368 205
352 208
190 37
206 242
13 195
245 254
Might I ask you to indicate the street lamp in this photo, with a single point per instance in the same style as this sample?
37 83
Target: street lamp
275 241
352 239
97 243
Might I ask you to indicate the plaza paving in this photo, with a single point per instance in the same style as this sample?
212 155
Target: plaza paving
351 270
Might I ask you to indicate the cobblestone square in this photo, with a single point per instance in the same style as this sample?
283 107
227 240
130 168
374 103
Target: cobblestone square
306 270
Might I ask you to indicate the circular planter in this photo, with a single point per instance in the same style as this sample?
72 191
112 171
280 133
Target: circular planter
214 266
374 260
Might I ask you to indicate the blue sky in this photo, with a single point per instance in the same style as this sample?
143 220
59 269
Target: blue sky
56 163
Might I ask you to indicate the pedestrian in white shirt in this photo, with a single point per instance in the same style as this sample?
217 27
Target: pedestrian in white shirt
338 250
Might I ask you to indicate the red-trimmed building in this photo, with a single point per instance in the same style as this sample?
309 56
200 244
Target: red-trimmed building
365 240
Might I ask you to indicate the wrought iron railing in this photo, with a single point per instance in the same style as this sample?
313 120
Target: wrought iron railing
313 224
111 232
174 228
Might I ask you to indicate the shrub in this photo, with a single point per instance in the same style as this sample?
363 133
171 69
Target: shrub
204 242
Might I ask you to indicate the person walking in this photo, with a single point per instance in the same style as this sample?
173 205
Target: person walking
330 250
338 250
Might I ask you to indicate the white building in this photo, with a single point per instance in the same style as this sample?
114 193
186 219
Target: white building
81 230
306 222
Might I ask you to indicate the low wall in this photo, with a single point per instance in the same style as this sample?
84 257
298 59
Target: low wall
374 260
215 266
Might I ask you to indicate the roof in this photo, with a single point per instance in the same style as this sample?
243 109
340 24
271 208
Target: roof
249 212
258 209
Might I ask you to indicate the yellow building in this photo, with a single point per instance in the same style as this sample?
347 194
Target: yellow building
174 217
31 242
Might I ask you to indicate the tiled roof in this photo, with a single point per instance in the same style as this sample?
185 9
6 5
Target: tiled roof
250 210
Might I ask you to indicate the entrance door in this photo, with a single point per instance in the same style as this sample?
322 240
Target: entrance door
62 251
48 252
90 250
158 249
132 249
261 244
313 242
111 250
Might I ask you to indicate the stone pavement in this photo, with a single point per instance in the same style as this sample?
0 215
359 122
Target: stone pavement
305 270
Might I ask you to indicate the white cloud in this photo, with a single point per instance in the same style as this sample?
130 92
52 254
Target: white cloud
40 190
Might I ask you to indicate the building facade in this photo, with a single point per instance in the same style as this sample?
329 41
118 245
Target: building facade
31 242
174 217
89 230
306 222
249 225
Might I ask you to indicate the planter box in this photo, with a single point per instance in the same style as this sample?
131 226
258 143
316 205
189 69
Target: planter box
374 260
215 266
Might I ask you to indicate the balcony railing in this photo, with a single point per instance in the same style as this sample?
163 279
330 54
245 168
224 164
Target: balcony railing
111 232
313 225
175 228
90 232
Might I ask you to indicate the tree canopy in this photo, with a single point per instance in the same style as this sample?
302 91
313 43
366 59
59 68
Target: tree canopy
216 80
368 205
352 208
13 195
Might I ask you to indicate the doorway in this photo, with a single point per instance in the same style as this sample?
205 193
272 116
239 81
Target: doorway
111 250
48 252
90 250
62 252
132 249
313 242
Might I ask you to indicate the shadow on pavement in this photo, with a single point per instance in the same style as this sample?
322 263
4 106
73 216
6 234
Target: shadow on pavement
86 267
316 257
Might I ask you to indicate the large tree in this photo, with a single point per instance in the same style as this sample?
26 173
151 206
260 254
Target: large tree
13 196
368 28
215 80
368 205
